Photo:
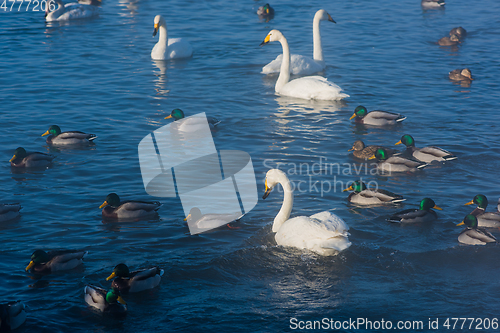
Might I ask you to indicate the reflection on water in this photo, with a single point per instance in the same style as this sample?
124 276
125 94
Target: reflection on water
161 79
131 6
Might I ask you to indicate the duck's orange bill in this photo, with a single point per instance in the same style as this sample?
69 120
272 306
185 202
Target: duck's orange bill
469 203
398 143
104 204
46 133
438 208
111 276
348 189
168 117
31 264
354 115
461 223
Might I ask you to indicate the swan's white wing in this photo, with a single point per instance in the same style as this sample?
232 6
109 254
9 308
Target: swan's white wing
300 65
179 48
323 233
313 87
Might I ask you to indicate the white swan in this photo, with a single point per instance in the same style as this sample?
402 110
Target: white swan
324 233
70 11
300 64
308 87
166 48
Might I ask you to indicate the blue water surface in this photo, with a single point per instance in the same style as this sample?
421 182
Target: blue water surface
97 76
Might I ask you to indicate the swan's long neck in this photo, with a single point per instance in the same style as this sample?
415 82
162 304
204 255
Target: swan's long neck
163 37
58 12
284 76
317 49
286 207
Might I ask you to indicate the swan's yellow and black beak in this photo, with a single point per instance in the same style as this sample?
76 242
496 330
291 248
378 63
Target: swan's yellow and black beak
13 158
438 208
354 115
469 203
268 190
187 217
266 40
461 223
156 30
348 189
46 133
104 204
168 117
111 276
330 19
398 143
121 301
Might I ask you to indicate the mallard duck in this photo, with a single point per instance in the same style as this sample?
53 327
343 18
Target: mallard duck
432 3
9 211
485 219
426 154
126 281
376 118
67 138
422 214
361 151
113 208
105 301
460 75
12 315
23 159
395 163
449 41
361 195
60 260
459 31
323 233
474 235
265 11
193 123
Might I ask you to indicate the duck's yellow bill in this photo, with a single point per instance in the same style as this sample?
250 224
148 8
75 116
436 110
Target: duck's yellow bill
46 133
170 116
398 143
104 204
354 115
187 217
348 189
13 158
31 264
461 223
372 157
351 149
438 208
111 276
120 300
469 203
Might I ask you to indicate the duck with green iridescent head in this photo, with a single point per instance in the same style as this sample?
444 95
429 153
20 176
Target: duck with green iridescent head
12 315
473 234
58 138
139 280
361 195
108 301
24 159
60 260
422 214
9 211
266 11
193 123
387 163
485 219
376 117
113 208
426 154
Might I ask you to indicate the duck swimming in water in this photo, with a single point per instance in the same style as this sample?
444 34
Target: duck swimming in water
473 234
